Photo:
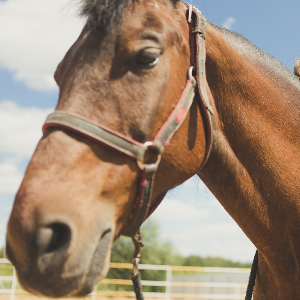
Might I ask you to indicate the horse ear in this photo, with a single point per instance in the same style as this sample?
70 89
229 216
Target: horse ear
297 68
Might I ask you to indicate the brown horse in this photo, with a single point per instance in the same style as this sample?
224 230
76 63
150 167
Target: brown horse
126 72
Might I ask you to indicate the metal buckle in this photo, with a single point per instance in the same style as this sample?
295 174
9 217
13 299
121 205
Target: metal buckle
142 165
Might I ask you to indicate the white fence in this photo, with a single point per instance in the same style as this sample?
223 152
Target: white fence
198 283
5 279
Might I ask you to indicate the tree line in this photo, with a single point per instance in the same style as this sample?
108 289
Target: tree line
157 252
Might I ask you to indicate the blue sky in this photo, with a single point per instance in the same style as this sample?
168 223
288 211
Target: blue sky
34 35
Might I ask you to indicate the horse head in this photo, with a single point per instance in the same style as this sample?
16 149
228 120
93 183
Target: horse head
126 71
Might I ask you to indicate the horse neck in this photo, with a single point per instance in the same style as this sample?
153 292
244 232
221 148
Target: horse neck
254 167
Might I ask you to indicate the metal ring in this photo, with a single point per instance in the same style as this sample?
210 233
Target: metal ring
142 165
148 144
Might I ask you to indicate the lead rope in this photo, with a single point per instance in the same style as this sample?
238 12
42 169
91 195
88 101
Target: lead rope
252 277
135 276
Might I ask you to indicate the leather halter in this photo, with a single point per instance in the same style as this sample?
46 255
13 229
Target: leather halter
196 83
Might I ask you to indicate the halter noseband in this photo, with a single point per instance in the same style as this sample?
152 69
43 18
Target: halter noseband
127 146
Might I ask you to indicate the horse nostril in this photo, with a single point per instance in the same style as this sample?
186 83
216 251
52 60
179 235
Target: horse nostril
53 237
105 233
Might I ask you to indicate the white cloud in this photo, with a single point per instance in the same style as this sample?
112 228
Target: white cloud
217 205
230 21
237 249
10 177
3 222
174 210
194 181
20 128
35 36
228 230
218 239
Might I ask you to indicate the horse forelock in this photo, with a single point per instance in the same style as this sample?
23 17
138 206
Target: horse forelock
105 13
255 54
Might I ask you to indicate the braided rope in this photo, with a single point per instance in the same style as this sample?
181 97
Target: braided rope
135 276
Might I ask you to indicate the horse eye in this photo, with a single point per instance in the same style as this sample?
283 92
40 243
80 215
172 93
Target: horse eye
147 58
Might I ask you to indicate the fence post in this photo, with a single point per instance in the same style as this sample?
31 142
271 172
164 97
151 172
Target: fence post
94 293
169 282
13 285
238 292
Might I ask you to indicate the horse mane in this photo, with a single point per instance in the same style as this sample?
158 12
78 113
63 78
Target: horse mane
256 55
103 13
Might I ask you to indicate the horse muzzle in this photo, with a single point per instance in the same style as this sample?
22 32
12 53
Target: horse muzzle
58 261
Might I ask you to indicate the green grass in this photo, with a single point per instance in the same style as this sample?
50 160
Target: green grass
6 270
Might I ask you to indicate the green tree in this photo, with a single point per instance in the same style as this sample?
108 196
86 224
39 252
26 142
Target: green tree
199 261
155 252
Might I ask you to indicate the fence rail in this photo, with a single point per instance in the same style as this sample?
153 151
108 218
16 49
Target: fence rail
200 283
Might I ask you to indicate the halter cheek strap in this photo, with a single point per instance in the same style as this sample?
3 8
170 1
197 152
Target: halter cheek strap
197 28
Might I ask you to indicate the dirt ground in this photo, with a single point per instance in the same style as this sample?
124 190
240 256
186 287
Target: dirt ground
31 297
